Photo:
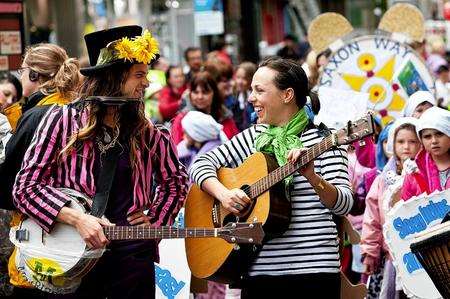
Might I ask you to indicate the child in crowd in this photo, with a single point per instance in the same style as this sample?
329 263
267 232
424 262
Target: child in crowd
418 102
201 134
404 144
433 162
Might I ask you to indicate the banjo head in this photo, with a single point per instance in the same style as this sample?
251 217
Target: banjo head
51 261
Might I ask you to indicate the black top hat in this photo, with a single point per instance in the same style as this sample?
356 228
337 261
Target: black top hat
98 40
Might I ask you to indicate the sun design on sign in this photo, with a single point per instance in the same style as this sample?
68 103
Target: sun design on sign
383 94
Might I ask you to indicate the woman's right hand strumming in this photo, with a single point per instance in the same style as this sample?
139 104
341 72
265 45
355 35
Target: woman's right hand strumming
234 200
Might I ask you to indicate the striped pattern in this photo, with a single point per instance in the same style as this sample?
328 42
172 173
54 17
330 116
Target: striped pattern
310 244
35 192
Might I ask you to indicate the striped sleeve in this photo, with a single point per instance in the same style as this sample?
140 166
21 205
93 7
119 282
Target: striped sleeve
334 169
230 154
171 179
33 194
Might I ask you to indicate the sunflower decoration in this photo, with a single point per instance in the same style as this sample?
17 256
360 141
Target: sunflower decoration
124 48
145 47
142 49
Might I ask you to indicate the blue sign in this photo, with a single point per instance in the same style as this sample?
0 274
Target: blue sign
169 286
208 5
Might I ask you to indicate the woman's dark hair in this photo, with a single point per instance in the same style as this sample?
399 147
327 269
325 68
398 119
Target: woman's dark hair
172 67
289 75
9 78
205 81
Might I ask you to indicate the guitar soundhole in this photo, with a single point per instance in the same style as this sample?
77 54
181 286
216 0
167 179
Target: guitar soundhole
230 218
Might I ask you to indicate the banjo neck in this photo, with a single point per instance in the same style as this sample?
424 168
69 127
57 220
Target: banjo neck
165 232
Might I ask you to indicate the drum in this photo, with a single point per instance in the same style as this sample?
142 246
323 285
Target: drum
432 249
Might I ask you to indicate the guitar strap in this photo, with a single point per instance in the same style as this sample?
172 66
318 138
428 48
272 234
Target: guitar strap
108 162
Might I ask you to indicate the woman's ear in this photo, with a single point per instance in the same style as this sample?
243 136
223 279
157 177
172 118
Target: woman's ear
288 95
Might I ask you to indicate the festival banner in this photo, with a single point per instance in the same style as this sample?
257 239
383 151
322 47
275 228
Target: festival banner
385 68
403 222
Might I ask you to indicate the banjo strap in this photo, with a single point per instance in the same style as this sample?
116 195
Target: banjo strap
108 162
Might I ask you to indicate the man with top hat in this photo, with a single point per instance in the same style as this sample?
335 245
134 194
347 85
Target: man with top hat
69 150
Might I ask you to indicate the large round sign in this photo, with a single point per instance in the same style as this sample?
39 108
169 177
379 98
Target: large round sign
388 70
403 222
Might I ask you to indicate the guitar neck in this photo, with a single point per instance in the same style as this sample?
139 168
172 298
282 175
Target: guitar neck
286 170
165 232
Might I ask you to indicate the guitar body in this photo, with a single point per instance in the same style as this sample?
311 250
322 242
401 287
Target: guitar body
215 259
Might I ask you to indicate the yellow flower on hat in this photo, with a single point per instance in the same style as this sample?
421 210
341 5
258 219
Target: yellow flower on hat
124 49
145 47
141 49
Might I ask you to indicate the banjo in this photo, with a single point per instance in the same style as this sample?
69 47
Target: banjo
57 262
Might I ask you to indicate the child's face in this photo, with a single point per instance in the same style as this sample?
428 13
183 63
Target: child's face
421 108
435 142
242 83
406 145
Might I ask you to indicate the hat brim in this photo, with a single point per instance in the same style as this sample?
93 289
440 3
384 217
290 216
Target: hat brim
93 70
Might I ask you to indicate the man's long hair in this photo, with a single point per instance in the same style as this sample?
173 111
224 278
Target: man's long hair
129 119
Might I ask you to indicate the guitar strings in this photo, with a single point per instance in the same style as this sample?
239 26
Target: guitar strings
310 150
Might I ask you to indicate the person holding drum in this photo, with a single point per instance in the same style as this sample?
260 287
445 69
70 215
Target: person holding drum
433 162
403 144
69 150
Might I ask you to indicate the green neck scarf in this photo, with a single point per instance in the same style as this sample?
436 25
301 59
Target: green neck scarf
278 141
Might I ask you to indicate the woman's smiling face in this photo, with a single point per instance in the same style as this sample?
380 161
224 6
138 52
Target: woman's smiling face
266 98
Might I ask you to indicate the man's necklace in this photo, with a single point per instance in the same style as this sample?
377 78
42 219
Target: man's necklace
105 141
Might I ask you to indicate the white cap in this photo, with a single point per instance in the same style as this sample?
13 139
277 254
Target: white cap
202 127
435 118
416 99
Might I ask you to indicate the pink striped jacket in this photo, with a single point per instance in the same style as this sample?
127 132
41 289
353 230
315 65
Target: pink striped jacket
35 190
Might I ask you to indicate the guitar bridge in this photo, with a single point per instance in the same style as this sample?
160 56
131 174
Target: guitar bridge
22 235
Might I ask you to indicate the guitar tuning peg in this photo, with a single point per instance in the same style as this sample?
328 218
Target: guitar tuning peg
362 143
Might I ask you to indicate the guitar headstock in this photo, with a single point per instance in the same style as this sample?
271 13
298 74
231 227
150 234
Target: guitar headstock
242 233
355 130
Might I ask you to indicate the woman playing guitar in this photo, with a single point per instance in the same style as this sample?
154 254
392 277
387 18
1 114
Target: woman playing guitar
304 260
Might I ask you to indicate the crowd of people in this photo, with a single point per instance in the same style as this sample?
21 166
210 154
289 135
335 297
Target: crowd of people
192 121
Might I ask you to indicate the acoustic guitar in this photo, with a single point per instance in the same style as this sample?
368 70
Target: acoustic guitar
57 262
262 180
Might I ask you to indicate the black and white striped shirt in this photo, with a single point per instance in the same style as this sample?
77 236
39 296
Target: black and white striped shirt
310 244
